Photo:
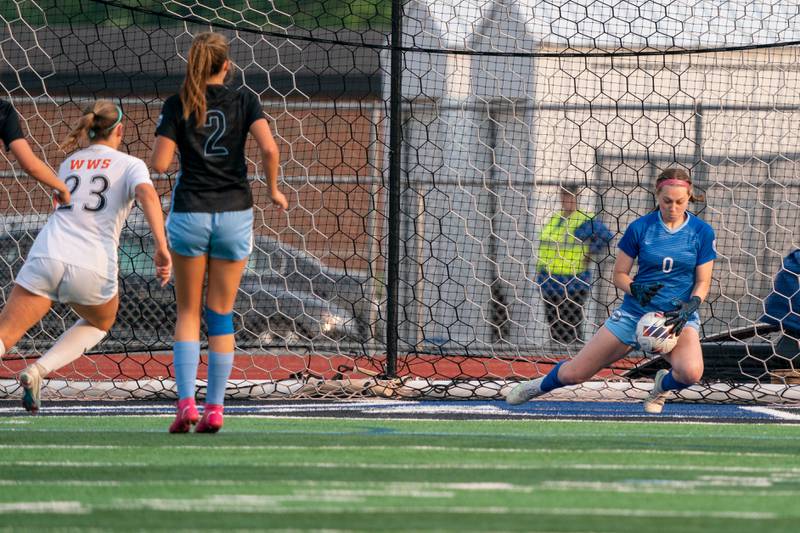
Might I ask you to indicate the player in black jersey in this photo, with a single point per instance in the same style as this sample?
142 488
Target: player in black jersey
210 224
14 139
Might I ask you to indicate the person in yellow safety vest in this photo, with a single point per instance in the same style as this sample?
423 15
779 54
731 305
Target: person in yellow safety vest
567 241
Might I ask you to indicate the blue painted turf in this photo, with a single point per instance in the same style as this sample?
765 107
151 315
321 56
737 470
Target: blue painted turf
635 410
476 410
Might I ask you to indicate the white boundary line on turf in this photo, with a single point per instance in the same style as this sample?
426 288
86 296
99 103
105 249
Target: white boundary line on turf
777 413
435 466
449 449
228 504
539 419
43 507
391 487
77 464
660 420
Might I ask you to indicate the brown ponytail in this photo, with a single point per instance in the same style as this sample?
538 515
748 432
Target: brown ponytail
207 56
96 124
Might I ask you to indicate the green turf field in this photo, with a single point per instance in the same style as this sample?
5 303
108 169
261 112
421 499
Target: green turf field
126 473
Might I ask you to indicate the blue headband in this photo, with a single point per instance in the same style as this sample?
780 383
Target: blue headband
92 133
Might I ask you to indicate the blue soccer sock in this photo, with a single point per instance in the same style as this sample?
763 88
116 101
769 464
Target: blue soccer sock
219 369
185 360
670 383
551 381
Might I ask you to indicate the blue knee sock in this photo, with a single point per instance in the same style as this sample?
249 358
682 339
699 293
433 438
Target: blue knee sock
185 360
670 383
551 381
219 369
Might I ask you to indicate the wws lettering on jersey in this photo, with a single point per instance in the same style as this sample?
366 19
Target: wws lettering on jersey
91 164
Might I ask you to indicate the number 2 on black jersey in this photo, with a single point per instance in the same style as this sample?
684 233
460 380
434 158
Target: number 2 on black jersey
215 119
73 182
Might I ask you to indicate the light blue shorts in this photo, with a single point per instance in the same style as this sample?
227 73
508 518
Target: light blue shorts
226 235
623 325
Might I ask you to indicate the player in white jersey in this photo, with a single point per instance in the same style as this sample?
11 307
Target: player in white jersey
74 257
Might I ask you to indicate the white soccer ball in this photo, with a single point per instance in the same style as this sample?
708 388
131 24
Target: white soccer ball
653 336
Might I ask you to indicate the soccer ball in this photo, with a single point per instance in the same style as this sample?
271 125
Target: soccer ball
653 336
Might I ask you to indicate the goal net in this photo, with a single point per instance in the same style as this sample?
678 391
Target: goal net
503 105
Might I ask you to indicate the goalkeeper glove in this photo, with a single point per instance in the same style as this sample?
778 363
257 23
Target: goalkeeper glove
644 292
678 317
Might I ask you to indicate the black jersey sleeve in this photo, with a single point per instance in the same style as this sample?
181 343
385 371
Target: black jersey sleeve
10 129
167 125
252 109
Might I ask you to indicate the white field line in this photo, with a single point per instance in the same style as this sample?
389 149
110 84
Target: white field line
170 407
413 489
243 530
544 419
373 406
434 466
588 466
71 483
68 507
704 487
776 413
76 464
389 485
447 449
245 504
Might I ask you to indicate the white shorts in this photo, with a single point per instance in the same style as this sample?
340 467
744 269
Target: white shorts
65 283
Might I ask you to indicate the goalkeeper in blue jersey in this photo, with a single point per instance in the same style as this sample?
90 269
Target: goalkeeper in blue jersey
675 254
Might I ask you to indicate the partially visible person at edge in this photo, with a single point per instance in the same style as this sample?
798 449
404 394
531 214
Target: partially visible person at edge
567 242
73 259
15 142
675 252
210 224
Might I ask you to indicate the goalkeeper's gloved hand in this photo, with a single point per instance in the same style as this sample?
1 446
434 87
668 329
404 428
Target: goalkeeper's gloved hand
678 317
644 292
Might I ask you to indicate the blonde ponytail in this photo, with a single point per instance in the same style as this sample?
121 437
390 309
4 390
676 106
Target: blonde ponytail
74 137
96 124
207 56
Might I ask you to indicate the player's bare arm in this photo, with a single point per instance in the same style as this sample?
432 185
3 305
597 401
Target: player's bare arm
148 200
38 169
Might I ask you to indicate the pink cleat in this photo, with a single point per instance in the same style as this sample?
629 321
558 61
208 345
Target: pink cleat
186 417
212 419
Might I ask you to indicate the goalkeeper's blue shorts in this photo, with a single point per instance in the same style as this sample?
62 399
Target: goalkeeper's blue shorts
623 325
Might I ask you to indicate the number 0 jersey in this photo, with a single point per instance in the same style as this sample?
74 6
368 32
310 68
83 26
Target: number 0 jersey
213 173
85 233
668 256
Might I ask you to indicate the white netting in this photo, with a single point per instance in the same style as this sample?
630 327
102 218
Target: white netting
503 105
